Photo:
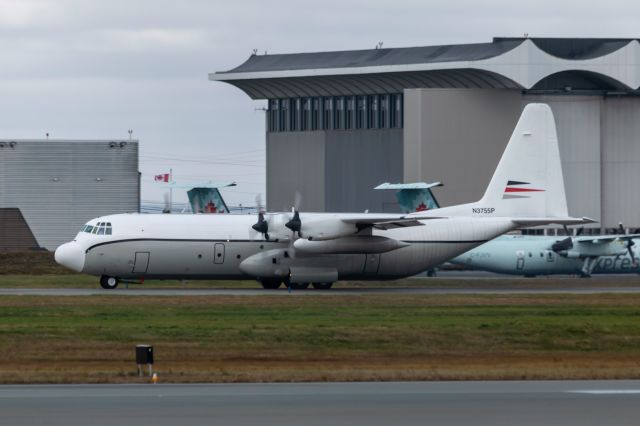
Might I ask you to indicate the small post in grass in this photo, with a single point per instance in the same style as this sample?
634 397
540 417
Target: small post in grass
144 355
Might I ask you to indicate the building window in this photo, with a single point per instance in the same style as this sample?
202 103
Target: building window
315 113
361 112
372 107
305 113
335 113
350 113
327 122
285 108
338 112
383 120
272 115
295 124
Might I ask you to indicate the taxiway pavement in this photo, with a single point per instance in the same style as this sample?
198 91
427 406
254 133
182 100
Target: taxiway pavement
521 403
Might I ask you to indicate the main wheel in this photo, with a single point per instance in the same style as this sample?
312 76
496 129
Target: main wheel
108 283
322 286
299 286
271 284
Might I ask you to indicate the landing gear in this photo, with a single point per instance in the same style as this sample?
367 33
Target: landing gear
108 283
322 286
298 286
271 283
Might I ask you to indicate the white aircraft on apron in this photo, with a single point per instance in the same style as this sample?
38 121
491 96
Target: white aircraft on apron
299 249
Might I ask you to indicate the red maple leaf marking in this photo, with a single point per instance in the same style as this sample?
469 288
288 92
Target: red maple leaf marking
210 208
421 207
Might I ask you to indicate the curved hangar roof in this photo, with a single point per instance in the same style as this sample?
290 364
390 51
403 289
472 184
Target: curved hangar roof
505 63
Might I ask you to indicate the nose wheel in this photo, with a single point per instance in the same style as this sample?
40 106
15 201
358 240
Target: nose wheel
108 283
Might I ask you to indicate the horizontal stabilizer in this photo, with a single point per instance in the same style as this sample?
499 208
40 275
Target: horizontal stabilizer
537 221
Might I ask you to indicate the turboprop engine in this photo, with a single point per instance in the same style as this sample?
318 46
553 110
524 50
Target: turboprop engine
313 227
278 263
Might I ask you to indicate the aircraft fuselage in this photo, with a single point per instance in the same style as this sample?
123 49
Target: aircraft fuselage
215 247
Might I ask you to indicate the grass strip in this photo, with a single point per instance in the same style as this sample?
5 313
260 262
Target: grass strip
230 339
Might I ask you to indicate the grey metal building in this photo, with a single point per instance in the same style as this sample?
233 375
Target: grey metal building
49 188
339 123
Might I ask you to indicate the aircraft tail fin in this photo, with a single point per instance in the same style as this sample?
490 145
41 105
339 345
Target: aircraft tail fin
206 200
528 181
413 197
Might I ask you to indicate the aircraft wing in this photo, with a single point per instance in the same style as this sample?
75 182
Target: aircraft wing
537 221
385 221
605 238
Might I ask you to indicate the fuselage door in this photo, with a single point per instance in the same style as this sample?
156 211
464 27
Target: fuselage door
519 260
141 263
218 253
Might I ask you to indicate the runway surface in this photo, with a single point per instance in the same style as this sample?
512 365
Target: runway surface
337 291
564 403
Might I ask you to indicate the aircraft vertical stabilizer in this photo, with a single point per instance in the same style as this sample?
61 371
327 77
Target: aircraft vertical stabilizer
528 181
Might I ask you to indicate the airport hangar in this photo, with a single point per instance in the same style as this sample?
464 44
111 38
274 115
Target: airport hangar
340 123
49 188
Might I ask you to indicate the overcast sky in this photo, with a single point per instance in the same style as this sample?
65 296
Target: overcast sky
93 69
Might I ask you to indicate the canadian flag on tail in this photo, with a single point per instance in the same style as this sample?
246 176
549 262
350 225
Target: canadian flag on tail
162 178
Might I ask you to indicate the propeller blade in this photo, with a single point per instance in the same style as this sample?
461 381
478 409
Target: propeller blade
262 226
297 201
295 224
562 245
580 231
259 205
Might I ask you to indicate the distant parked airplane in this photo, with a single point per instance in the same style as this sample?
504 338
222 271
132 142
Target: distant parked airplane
534 255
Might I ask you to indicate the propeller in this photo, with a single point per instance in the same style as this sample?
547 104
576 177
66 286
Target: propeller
630 243
262 226
562 245
295 224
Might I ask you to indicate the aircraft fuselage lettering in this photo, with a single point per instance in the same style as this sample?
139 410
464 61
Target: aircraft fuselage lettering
483 210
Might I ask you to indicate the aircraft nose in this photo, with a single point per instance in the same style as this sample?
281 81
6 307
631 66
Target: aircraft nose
70 255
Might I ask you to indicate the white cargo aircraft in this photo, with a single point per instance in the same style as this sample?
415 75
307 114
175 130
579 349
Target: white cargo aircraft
527 189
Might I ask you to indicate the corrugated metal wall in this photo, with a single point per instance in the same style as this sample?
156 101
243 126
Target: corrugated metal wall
358 161
60 185
621 161
335 170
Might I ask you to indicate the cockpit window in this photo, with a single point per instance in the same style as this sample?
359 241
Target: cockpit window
100 228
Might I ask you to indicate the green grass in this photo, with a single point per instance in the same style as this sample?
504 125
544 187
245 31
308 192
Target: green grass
407 337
